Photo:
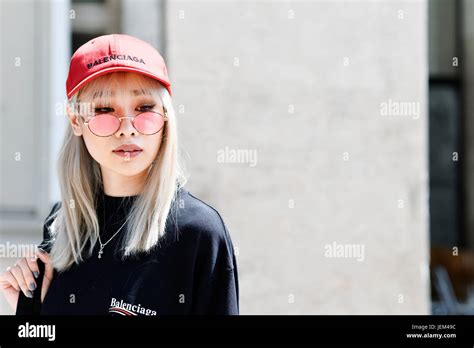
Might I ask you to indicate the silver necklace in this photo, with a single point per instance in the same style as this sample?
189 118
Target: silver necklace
102 245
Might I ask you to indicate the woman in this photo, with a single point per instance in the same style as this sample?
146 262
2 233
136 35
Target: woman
126 237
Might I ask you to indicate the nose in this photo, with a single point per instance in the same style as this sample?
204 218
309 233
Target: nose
126 127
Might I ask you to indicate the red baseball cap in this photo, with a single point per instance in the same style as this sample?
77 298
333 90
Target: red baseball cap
115 52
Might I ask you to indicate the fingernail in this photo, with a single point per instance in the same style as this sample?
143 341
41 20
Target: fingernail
32 286
29 294
41 251
35 274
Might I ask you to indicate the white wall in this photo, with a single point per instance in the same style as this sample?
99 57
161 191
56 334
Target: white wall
271 78
34 58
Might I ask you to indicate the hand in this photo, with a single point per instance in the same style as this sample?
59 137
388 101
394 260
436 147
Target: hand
21 277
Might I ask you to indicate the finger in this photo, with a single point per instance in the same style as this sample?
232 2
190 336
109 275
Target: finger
33 266
8 278
48 272
27 274
48 269
18 274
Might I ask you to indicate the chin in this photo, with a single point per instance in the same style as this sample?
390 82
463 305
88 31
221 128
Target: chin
128 171
129 167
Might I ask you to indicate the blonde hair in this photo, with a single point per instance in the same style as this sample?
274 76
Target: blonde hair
80 178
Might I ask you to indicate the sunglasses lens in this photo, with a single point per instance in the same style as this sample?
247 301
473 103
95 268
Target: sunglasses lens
148 122
104 125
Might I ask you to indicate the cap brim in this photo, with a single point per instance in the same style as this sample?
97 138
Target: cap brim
117 68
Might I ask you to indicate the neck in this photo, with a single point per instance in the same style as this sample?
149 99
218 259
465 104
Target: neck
117 185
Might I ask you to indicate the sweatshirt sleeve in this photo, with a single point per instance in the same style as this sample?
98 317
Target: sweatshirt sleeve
47 238
216 277
32 306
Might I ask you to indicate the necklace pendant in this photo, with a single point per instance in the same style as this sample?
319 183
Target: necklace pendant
100 253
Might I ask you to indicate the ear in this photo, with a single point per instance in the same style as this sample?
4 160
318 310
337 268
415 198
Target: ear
74 121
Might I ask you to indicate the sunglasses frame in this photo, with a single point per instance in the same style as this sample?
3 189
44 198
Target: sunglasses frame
165 117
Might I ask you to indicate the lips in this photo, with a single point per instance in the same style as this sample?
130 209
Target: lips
128 148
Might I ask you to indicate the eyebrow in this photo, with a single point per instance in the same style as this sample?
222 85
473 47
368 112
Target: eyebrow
135 92
138 92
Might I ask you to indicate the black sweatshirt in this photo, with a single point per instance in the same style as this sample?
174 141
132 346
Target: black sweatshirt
193 269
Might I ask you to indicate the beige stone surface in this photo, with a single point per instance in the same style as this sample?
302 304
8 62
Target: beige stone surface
302 85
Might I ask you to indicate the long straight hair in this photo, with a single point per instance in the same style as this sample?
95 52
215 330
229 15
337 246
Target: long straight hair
80 179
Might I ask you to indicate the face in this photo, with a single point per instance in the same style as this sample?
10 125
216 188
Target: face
129 103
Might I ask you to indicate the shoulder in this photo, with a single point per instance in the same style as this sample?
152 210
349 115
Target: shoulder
200 222
194 212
